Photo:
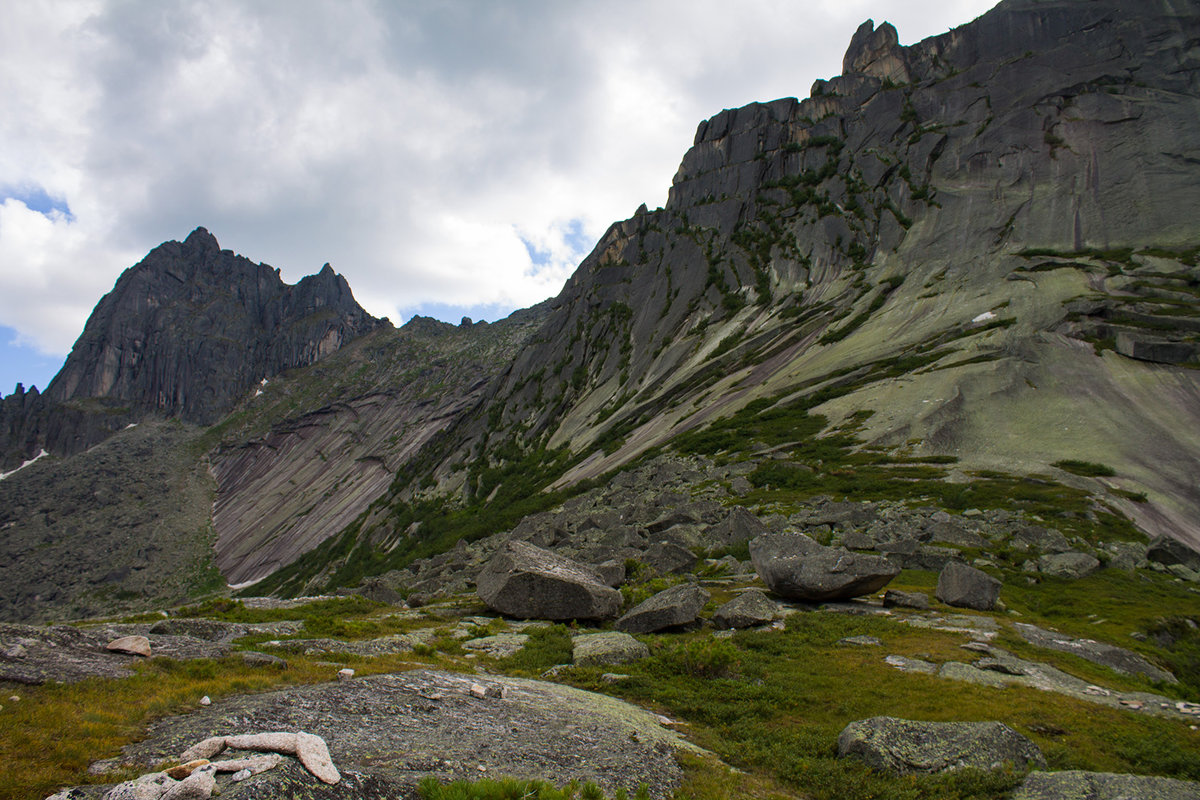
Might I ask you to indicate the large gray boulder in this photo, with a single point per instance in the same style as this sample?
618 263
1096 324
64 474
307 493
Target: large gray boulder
794 566
747 609
679 605
967 587
740 526
525 581
1078 785
908 746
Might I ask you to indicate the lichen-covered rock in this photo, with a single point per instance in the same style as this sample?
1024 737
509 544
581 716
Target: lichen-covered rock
908 746
527 582
679 605
1071 564
749 608
1078 785
895 598
794 566
607 647
967 587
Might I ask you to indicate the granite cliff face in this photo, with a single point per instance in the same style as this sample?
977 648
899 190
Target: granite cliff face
984 238
184 334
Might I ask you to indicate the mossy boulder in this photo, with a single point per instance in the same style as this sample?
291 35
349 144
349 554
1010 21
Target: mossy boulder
907 746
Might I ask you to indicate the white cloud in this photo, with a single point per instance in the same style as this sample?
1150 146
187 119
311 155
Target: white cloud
418 147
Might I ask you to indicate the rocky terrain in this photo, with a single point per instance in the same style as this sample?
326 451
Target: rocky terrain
863 468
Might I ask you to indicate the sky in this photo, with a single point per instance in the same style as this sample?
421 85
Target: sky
455 158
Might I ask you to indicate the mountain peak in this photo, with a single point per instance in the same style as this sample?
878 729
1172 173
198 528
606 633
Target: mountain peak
201 239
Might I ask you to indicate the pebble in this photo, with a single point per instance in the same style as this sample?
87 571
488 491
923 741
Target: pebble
240 775
206 701
1097 691
15 698
345 674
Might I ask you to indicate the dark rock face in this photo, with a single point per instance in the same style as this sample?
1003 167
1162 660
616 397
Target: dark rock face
794 566
906 746
1072 784
670 608
967 587
1168 551
527 582
184 333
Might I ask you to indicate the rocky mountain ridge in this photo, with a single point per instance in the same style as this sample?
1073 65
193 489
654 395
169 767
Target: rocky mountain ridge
184 334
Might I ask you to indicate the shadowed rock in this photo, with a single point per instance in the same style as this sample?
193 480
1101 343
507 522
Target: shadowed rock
967 587
794 566
527 582
906 746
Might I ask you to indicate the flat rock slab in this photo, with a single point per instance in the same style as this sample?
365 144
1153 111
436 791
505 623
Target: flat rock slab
908 746
1076 785
502 645
387 732
1108 655
34 655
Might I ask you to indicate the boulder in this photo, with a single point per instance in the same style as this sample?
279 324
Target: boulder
1035 537
895 598
1071 564
746 610
1072 784
679 605
199 785
907 746
669 558
1167 551
740 526
794 566
130 645
611 572
967 587
607 647
525 581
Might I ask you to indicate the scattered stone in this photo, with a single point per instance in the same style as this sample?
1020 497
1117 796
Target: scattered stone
895 598
482 692
966 587
1072 784
1072 564
748 609
183 770
130 645
147 787
905 664
253 658
862 641
679 605
907 746
345 674
1035 537
607 647
528 582
796 567
740 526
611 572
240 775
206 701
1108 655
613 677
501 645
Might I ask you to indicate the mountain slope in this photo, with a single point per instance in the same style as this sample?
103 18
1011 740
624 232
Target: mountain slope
985 238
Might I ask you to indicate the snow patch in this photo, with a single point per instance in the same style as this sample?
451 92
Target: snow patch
984 317
42 454
261 385
237 587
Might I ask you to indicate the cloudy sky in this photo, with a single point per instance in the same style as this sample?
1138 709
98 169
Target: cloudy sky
449 158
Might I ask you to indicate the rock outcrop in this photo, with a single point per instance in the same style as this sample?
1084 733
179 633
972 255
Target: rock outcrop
670 608
967 587
1072 784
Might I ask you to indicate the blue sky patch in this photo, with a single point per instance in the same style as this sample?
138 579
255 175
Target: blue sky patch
37 199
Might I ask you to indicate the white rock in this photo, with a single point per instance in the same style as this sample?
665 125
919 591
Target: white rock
205 749
206 701
309 748
147 787
241 775
197 786
345 674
